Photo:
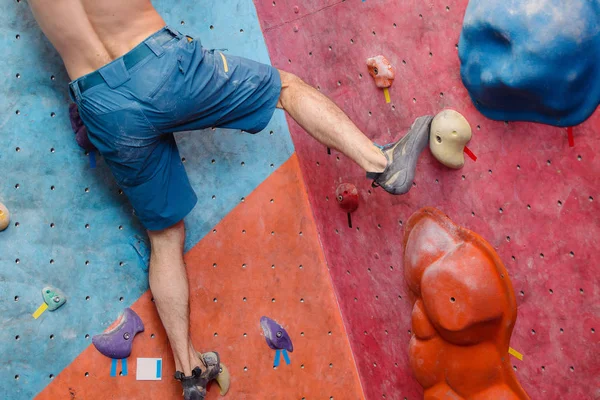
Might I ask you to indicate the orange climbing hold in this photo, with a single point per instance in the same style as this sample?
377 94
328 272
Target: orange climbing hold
4 217
464 311
382 71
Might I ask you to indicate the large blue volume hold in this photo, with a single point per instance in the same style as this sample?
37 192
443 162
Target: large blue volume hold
532 60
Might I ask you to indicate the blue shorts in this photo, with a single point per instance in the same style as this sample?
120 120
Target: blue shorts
168 83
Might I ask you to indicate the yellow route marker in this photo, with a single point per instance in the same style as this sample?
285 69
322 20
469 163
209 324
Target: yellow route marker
40 310
386 93
515 353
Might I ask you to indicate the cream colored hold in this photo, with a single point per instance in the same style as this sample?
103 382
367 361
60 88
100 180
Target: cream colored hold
4 217
448 136
223 380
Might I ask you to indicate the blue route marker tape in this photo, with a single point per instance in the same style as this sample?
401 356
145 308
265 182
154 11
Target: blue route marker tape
113 367
286 357
159 368
124 367
277 358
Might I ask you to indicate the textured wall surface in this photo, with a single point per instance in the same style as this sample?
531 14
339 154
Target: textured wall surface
530 195
263 258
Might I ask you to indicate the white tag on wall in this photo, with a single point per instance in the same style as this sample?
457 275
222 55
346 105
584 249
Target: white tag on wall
149 369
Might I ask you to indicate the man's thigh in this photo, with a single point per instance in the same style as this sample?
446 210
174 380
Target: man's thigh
222 90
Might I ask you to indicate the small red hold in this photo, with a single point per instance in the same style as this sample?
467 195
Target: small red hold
296 9
382 71
295 28
347 196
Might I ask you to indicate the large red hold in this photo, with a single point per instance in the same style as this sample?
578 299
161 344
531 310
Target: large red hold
464 311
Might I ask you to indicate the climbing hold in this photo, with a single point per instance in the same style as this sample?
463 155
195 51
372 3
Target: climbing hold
223 378
382 71
53 297
464 308
81 133
82 139
532 60
4 217
347 196
277 337
117 341
449 134
296 9
74 117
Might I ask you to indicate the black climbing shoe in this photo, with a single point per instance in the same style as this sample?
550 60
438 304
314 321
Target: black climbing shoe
194 386
190 389
402 158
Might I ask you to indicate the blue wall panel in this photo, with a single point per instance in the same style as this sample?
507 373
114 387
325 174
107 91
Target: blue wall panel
88 250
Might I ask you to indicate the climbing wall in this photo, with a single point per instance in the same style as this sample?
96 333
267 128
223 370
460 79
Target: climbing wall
263 258
534 198
72 228
252 240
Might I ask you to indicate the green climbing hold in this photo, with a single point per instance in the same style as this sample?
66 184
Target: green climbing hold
53 297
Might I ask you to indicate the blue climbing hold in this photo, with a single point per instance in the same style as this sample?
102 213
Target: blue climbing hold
532 60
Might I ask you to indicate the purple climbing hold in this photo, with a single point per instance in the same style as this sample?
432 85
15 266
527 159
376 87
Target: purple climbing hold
83 140
76 121
81 133
277 338
117 341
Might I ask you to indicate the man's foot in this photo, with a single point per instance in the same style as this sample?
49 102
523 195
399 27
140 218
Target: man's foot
402 158
194 386
191 391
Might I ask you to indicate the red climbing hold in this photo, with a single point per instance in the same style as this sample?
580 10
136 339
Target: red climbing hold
347 196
